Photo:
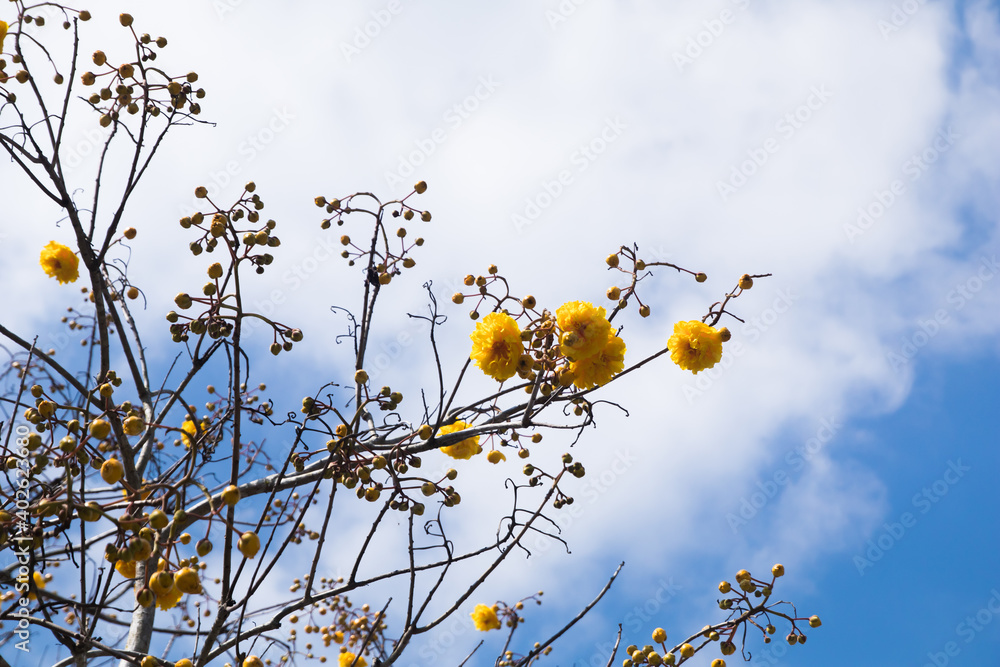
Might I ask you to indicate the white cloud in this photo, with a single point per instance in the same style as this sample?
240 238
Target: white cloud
656 183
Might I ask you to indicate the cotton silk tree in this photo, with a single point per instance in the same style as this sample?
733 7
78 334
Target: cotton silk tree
140 528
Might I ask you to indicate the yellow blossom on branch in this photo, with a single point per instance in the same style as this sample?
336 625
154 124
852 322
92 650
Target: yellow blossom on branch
39 582
3 33
347 659
169 600
59 262
695 346
126 568
584 328
485 618
188 432
496 346
465 449
598 369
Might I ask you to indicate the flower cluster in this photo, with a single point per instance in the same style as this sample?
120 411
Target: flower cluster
588 349
165 587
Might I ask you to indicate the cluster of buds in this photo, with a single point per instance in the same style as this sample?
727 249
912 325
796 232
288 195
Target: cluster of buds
67 437
494 291
569 466
743 612
132 86
346 625
250 245
634 268
22 75
384 258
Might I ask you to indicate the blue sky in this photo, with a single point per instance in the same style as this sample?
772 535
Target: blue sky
847 147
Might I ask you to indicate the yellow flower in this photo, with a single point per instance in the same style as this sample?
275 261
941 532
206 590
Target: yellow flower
59 262
188 432
3 33
584 329
126 568
598 369
347 659
465 449
496 346
169 600
485 618
695 346
39 581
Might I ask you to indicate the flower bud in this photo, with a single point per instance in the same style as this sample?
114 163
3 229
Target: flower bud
249 544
